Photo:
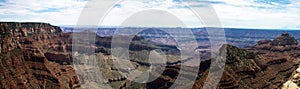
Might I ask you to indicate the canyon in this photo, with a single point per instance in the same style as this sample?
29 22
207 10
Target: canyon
39 55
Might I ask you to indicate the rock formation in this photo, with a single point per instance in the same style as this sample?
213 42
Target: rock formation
38 55
294 81
257 67
261 66
23 59
284 40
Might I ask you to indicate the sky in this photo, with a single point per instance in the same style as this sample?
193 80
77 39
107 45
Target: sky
269 14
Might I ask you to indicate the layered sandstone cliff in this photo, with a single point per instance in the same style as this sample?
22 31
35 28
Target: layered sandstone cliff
38 55
268 64
25 57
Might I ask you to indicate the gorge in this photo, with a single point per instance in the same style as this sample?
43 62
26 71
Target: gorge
39 55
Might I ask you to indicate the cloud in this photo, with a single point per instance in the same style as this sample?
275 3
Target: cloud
57 12
118 15
262 14
232 13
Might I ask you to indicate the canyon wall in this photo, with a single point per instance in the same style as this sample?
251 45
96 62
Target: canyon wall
34 55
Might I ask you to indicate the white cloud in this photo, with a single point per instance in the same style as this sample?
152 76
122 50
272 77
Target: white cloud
232 13
64 12
260 17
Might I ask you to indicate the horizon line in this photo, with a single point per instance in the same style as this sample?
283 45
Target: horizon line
241 28
191 27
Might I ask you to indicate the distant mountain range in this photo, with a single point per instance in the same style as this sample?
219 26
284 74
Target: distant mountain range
241 37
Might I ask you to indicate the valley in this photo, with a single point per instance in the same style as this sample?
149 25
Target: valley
40 55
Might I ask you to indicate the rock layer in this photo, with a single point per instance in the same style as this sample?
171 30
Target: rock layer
24 63
264 65
284 40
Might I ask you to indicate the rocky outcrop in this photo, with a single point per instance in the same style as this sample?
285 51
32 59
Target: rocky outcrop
24 63
261 66
281 56
294 81
284 40
248 70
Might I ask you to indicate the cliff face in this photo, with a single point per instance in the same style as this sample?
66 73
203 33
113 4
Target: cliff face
38 55
32 55
284 39
25 29
252 70
264 65
283 54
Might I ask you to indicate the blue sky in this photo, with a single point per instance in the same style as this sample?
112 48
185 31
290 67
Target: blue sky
232 13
